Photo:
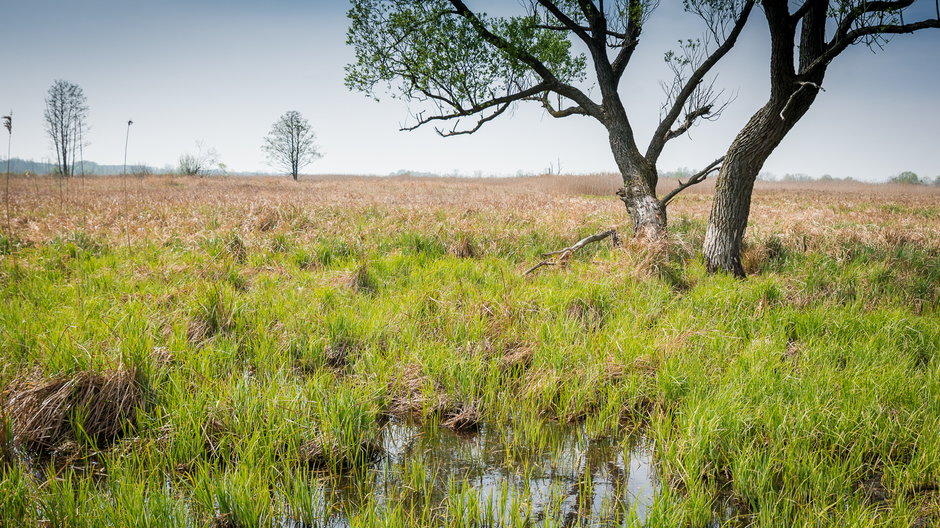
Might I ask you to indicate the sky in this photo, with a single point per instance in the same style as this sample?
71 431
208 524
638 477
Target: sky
219 73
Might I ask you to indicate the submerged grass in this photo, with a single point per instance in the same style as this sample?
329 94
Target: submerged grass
238 363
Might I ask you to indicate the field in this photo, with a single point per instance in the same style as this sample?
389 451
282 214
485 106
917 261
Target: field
370 352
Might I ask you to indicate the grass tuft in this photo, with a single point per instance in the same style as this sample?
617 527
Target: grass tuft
82 407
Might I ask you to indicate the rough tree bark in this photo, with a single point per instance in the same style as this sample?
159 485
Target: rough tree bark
646 211
732 203
798 65
735 185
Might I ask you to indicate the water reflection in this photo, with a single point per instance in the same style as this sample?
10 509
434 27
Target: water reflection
439 476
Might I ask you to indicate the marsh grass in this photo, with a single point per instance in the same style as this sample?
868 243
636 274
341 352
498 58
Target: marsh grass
271 333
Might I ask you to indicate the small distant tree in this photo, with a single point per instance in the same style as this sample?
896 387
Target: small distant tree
65 115
907 177
141 170
290 143
199 163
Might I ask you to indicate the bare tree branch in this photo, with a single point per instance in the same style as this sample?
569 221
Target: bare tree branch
460 111
696 178
630 39
838 45
802 10
867 8
803 84
565 254
690 118
661 135
482 121
556 110
566 21
539 265
583 242
553 83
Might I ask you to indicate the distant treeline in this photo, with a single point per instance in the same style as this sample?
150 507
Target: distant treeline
20 166
90 168
907 177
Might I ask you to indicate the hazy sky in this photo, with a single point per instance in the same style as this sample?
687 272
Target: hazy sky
221 71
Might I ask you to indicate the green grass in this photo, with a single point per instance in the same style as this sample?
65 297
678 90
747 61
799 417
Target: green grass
808 394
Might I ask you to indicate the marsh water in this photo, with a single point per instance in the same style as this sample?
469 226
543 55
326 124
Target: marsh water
570 480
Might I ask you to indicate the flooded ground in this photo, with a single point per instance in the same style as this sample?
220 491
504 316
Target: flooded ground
574 481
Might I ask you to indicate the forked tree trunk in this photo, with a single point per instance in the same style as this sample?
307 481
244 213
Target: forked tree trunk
639 189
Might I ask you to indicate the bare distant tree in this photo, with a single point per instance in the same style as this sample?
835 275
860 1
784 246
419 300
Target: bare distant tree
290 143
65 115
200 162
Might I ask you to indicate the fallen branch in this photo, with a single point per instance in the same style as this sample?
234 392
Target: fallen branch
564 255
539 265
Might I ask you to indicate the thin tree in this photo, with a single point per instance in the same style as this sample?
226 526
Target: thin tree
290 143
65 114
8 124
803 42
127 138
456 64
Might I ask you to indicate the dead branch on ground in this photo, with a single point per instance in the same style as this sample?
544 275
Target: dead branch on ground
565 254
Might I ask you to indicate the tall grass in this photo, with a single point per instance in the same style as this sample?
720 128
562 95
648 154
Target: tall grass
272 339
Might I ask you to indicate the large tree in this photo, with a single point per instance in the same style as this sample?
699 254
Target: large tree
65 115
455 63
290 143
804 40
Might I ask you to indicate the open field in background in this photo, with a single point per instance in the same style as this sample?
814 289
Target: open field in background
241 352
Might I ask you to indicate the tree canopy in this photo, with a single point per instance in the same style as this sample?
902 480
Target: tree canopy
465 68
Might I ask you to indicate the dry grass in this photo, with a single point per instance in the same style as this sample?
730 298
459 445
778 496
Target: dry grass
407 396
85 406
463 418
463 248
517 357
162 208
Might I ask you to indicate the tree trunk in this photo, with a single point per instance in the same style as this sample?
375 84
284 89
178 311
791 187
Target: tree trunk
743 161
646 212
639 189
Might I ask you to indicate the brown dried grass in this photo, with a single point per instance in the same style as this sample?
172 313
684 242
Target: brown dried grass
412 401
407 394
100 407
463 248
358 280
518 356
462 418
483 212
